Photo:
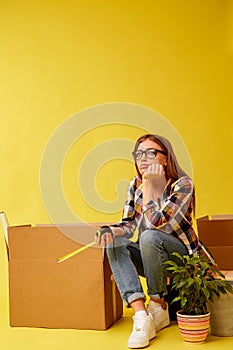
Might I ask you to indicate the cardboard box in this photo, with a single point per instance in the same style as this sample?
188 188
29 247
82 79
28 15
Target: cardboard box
216 232
77 293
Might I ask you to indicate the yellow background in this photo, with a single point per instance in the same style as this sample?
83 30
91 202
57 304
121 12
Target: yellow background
58 57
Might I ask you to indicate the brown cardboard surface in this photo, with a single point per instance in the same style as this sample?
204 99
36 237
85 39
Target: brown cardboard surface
77 293
228 275
216 232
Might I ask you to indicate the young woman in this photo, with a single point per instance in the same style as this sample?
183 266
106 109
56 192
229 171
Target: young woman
160 202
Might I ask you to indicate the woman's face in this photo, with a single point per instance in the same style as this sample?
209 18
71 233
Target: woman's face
144 161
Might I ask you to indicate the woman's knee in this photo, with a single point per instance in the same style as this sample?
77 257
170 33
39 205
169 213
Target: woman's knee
148 238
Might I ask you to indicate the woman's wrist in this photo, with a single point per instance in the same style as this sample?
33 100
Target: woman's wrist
117 231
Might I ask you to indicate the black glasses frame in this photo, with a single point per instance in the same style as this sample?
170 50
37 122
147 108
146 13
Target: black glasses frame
146 152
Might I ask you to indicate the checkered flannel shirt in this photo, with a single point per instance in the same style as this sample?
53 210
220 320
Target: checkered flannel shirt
172 213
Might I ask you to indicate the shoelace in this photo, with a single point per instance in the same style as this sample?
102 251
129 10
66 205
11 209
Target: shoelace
140 323
155 309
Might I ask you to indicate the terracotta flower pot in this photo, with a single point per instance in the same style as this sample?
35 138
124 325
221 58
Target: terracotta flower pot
193 328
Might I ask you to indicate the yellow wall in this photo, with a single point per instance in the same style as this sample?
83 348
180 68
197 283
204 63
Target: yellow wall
60 57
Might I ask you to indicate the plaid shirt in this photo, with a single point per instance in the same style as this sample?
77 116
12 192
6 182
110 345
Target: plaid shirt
172 213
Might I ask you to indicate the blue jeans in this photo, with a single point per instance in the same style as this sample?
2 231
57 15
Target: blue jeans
130 260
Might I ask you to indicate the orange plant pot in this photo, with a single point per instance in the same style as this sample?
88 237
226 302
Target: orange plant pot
193 328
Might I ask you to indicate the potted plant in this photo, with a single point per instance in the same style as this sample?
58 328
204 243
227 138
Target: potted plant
197 281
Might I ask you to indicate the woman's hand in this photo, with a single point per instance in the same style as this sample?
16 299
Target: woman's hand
154 181
154 172
104 235
104 239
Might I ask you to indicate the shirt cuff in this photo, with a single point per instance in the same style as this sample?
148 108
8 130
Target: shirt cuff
150 205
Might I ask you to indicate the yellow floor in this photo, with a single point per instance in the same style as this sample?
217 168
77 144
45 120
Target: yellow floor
60 339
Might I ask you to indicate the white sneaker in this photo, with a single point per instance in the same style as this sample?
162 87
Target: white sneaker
160 316
143 331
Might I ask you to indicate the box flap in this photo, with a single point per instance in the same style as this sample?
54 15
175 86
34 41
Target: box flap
215 217
48 242
222 217
206 217
216 232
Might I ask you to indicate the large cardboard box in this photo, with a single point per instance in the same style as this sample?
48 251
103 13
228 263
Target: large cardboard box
77 293
216 232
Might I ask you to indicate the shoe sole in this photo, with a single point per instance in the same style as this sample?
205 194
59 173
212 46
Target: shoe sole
143 345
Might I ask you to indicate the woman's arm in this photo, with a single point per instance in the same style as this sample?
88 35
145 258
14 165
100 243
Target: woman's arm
174 212
127 225
154 182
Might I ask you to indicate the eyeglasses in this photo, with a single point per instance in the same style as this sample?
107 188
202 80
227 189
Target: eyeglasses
150 153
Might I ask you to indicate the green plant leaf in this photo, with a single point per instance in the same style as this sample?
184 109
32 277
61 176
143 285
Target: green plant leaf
197 281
